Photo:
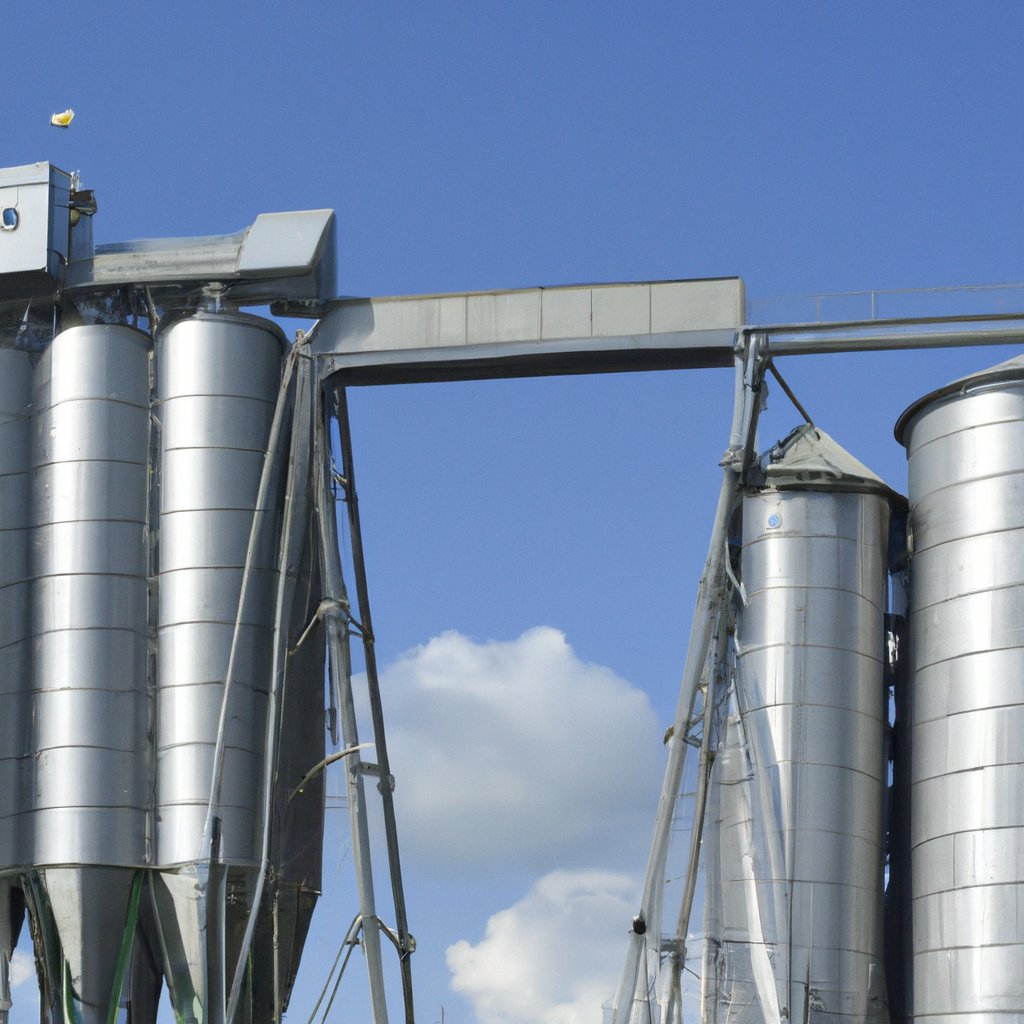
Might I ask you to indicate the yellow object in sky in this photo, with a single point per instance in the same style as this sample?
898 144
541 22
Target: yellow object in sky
62 120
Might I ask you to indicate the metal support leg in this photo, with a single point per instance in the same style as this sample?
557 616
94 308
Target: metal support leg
406 945
636 987
339 667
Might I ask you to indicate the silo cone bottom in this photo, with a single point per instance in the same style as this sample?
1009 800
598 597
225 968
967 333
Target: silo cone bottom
91 908
202 910
189 910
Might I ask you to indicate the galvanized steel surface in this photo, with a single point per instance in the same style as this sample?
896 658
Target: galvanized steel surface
218 378
965 449
794 841
15 648
89 600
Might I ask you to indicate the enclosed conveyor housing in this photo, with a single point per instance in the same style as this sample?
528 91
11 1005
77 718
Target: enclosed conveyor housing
965 450
794 834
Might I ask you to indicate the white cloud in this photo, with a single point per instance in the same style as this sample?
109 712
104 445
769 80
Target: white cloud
552 958
519 752
23 967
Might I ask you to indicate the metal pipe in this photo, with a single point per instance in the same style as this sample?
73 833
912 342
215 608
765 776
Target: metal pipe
292 536
795 341
260 516
324 763
790 394
706 760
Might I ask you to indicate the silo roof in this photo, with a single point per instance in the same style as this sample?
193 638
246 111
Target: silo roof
1011 370
809 459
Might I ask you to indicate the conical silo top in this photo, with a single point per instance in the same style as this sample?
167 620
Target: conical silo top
1011 370
808 459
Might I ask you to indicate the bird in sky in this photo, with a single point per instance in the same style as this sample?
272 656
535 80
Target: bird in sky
63 119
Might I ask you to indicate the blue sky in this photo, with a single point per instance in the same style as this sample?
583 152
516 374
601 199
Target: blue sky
806 147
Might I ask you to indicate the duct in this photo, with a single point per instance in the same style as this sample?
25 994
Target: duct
794 833
293 546
297 825
966 470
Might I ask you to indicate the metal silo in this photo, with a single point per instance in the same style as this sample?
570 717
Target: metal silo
795 828
15 548
218 378
15 647
89 628
965 450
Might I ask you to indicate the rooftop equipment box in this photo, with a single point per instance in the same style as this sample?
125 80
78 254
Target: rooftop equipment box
34 229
